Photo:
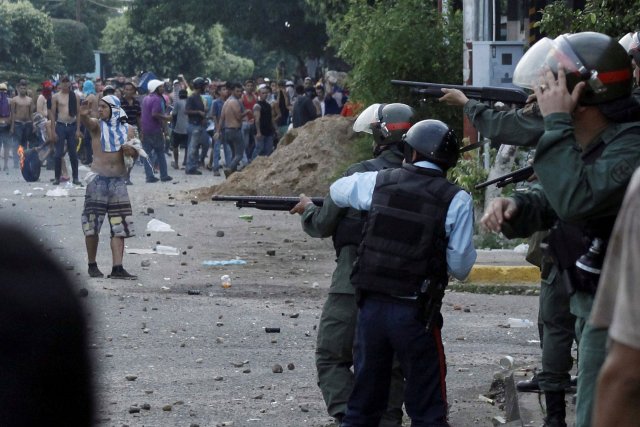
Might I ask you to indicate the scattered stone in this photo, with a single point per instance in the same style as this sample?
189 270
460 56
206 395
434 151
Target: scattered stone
239 364
294 315
457 307
198 360
134 410
145 263
246 371
183 263
145 406
307 333
274 341
219 340
148 392
167 408
271 252
190 247
183 345
108 355
193 291
83 293
184 252
218 378
131 377
304 407
68 267
467 310
146 330
194 202
219 233
291 366
258 397
276 369
150 210
194 425
219 324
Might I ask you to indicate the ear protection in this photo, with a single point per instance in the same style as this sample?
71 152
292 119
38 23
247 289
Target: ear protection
381 124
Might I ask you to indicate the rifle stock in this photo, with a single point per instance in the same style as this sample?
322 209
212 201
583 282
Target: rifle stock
486 93
510 178
268 203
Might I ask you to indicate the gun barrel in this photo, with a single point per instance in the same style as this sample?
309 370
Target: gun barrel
486 93
277 203
510 178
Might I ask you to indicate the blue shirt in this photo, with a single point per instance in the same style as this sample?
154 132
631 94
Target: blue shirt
356 191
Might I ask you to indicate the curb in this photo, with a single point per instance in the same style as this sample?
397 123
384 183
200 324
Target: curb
503 274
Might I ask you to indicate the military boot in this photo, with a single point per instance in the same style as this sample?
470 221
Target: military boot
556 412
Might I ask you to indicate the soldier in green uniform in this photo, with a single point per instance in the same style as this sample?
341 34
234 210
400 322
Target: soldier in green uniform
584 161
523 127
336 331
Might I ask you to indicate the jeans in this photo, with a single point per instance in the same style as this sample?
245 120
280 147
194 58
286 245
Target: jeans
197 138
6 140
233 138
22 132
66 134
216 153
386 327
248 136
154 143
264 146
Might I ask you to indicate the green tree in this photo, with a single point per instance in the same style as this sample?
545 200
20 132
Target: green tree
614 18
408 40
221 63
26 40
70 36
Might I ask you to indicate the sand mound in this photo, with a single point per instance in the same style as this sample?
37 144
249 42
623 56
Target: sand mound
306 161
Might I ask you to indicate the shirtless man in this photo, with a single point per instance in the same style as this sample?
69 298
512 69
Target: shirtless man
21 111
5 122
64 109
107 192
231 120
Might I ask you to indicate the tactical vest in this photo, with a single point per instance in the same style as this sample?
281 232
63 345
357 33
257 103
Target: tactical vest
349 229
569 241
405 239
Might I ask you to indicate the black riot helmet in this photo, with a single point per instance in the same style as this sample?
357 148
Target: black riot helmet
198 83
434 141
394 120
594 58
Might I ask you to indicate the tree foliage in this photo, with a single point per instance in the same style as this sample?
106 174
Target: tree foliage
26 40
614 18
70 37
276 24
408 40
171 50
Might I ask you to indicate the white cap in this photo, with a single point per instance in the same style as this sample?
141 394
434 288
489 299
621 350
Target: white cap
154 84
289 83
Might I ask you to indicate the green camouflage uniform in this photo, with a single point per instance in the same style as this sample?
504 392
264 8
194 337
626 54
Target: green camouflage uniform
525 127
336 331
576 191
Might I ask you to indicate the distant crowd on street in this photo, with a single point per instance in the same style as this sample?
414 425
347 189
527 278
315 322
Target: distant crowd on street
218 125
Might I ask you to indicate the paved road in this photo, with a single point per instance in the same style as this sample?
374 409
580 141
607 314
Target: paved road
183 347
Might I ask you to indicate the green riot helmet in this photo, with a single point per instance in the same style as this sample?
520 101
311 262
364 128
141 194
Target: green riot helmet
435 141
394 121
594 58
631 43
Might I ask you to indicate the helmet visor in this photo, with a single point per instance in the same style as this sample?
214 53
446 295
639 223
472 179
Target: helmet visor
553 54
368 117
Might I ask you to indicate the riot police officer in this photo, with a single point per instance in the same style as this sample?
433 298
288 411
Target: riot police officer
584 161
418 231
334 350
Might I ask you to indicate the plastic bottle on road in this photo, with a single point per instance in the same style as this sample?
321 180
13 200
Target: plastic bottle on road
225 281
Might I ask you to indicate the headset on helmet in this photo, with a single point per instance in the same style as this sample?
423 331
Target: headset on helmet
435 141
594 58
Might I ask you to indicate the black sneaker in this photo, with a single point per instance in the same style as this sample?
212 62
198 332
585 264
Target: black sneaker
121 274
166 178
94 271
194 172
55 182
77 182
152 179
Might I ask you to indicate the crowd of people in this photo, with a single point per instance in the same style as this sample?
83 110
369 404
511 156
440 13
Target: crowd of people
212 122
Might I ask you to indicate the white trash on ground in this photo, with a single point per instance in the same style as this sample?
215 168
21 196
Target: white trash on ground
57 192
159 226
519 323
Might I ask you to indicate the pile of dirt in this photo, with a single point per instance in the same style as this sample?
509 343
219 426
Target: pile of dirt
306 161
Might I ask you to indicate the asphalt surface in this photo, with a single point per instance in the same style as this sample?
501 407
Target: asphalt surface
200 353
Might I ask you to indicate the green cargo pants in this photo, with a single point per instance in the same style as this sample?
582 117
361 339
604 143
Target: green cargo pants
558 331
334 359
591 354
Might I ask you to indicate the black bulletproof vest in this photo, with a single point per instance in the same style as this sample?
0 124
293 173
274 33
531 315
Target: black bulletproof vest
349 229
405 239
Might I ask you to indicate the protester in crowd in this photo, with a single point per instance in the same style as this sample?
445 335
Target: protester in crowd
180 131
265 128
303 108
6 140
153 121
64 111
